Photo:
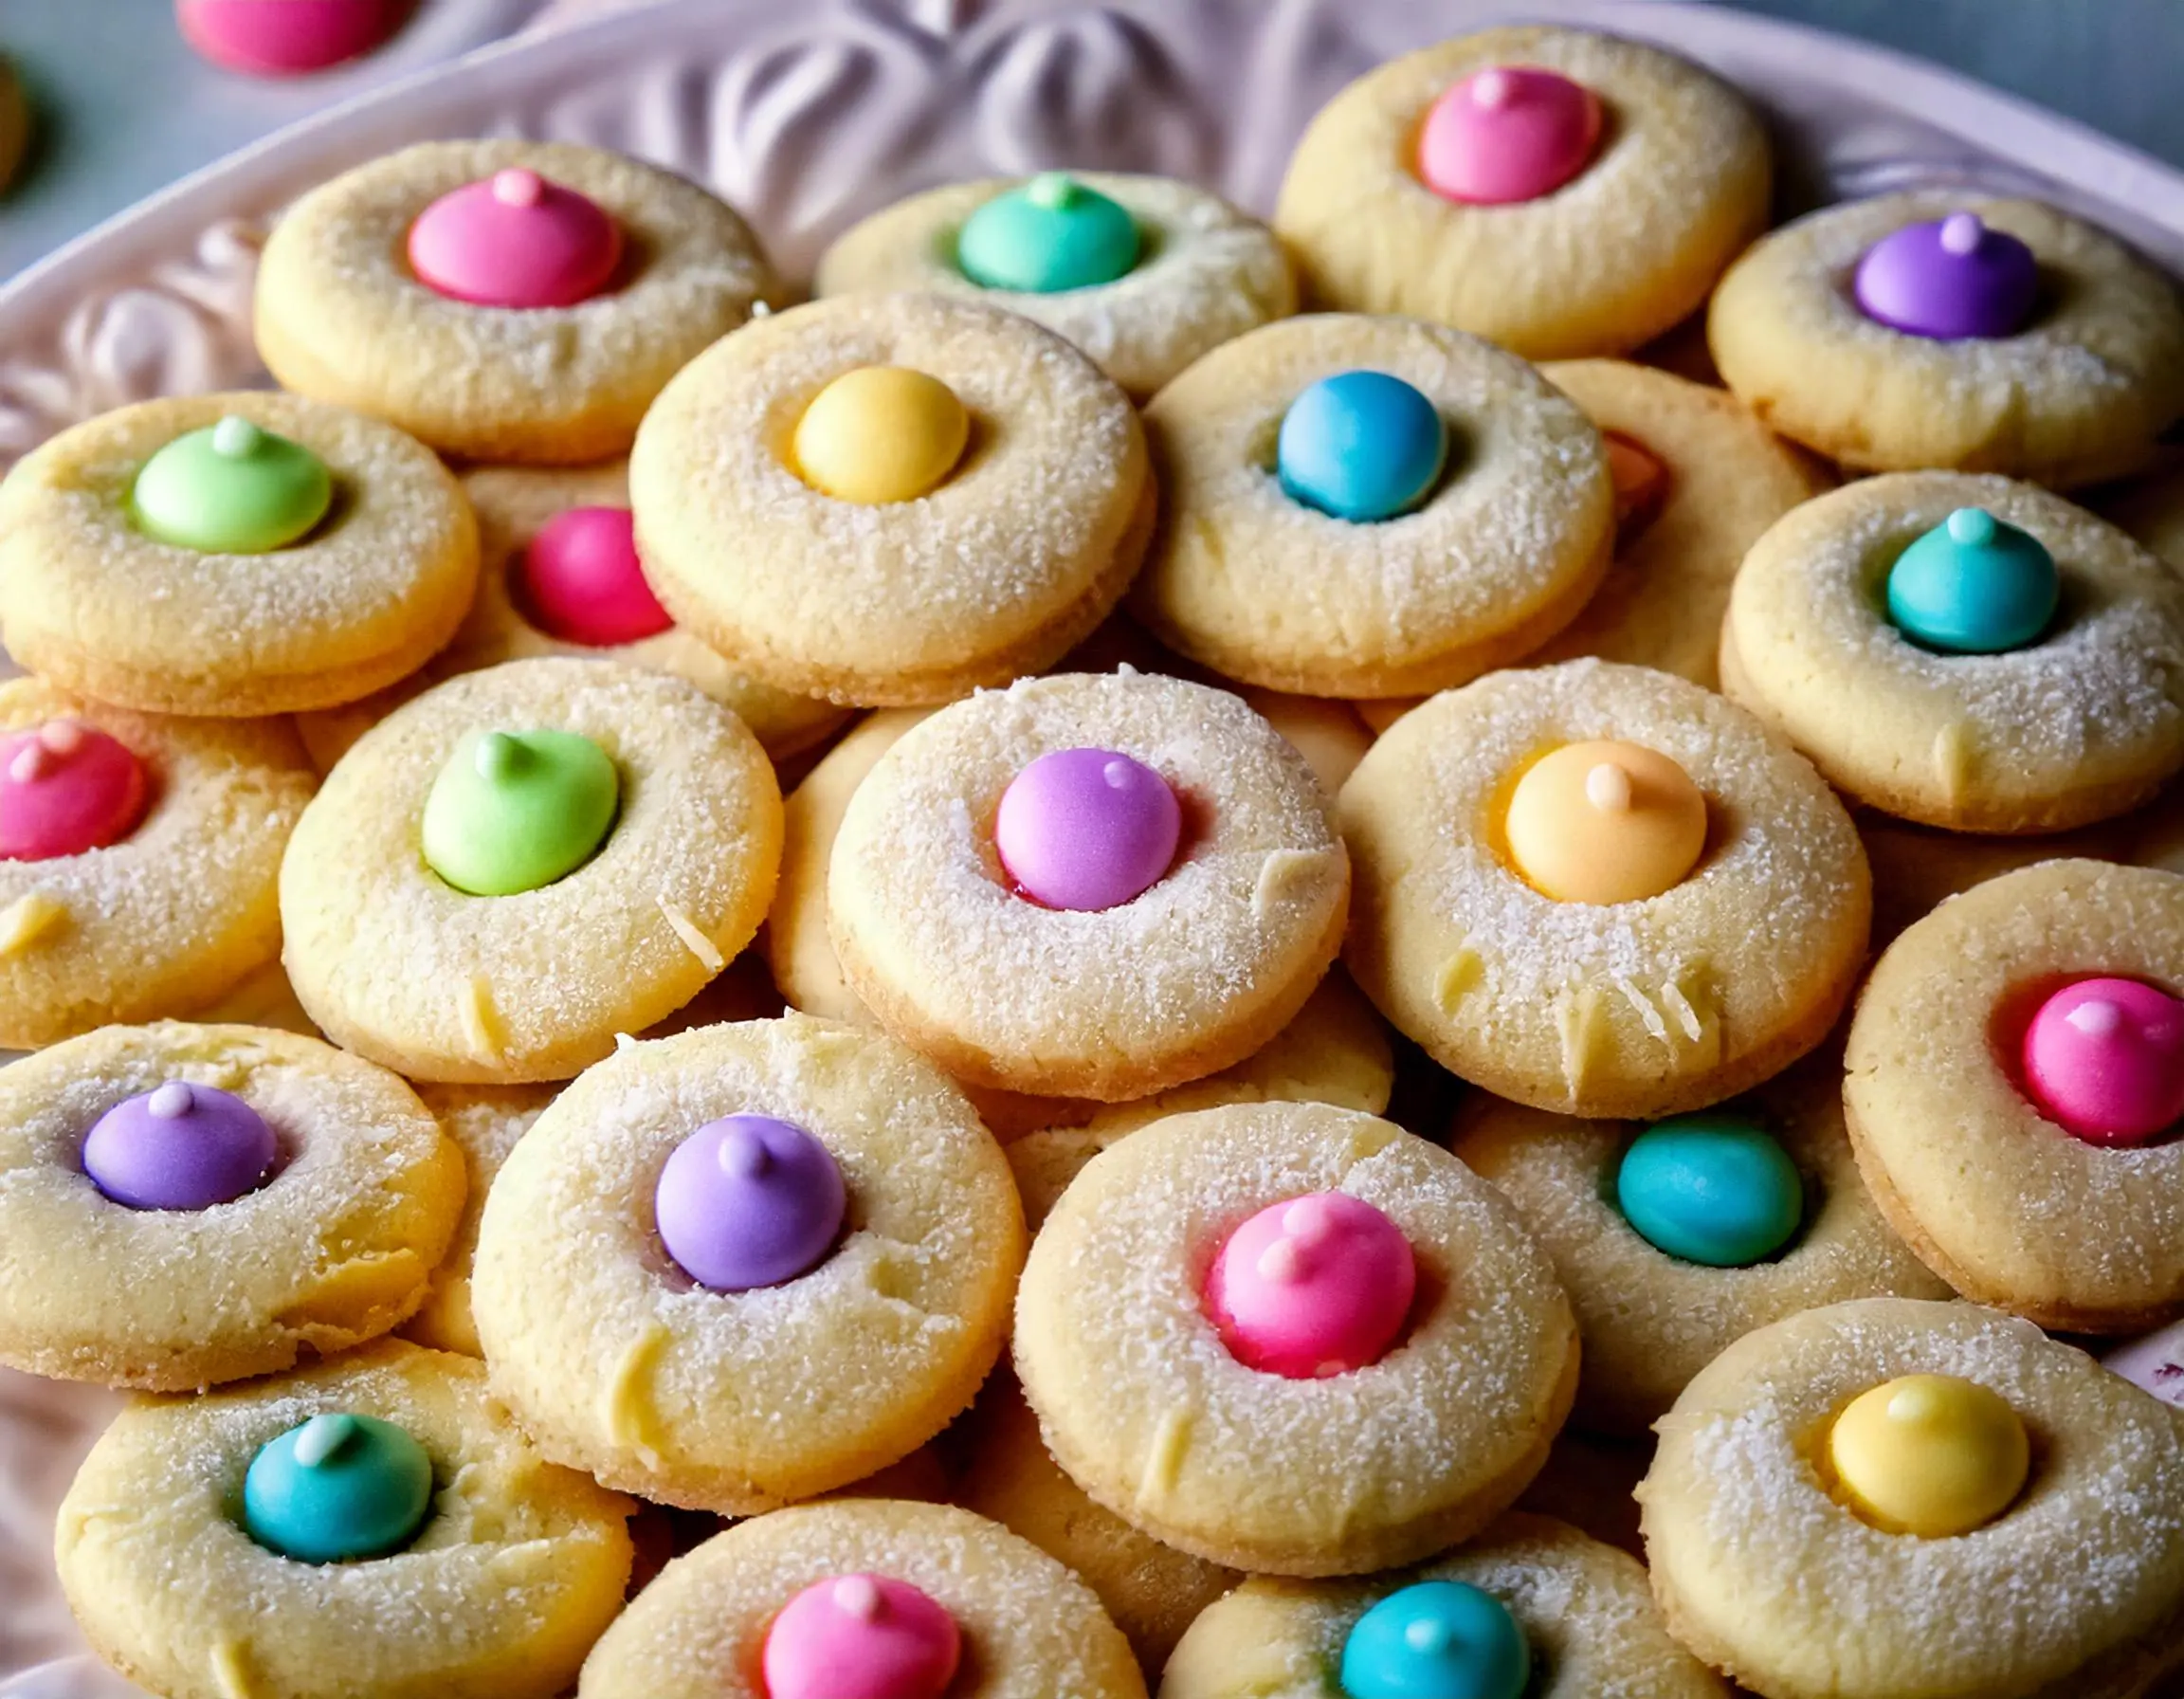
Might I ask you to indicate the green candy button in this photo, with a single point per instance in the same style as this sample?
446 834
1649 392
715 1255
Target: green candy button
1052 234
514 811
232 489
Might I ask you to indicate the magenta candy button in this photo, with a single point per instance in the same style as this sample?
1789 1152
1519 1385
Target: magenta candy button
860 1637
515 240
2105 1060
287 38
579 580
1507 133
64 788
1087 829
1316 1287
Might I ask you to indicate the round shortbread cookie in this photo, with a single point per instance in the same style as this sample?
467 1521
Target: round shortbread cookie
484 1122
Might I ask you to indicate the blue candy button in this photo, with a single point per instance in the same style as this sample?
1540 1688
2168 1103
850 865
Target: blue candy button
338 1489
1436 1640
1054 234
1973 586
1361 446
1712 1188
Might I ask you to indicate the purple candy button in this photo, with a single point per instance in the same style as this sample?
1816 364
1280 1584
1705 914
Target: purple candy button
749 1201
1087 829
179 1148
1949 279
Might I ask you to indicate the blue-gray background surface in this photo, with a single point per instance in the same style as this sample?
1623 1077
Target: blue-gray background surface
125 108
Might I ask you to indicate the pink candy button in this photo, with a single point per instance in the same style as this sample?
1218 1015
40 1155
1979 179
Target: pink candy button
579 580
66 788
860 1637
1316 1287
1087 829
2105 1060
287 38
515 240
1509 133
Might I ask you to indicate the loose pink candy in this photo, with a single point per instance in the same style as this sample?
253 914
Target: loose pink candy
66 788
1509 133
515 240
287 38
1087 829
580 580
1316 1287
860 1637
2105 1060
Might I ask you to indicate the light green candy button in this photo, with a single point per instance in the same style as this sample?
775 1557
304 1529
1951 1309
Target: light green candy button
1052 234
232 489
514 811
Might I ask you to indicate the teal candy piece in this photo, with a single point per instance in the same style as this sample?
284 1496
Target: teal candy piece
1713 1188
1051 234
514 811
337 1490
232 488
1363 446
1973 586
1436 1640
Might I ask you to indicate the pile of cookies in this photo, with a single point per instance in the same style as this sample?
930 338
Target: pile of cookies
398 894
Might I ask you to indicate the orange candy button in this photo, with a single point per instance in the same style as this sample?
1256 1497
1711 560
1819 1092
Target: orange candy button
1605 822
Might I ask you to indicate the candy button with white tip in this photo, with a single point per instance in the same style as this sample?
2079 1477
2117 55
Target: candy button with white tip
1436 1640
1508 134
338 1489
67 787
2105 1060
1950 280
1316 1286
860 1637
232 488
515 239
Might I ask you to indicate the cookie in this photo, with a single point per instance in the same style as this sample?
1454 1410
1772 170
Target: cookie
1909 1500
1143 274
1675 1239
558 575
2015 1063
504 300
2016 664
1558 192
960 467
1937 329
231 556
1532 1608
1601 890
1293 1339
138 856
185 1204
370 1528
482 1122
525 862
1088 885
1358 506
747 1265
871 1595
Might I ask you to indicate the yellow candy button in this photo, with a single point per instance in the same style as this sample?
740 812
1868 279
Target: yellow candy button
881 433
1605 822
1928 1455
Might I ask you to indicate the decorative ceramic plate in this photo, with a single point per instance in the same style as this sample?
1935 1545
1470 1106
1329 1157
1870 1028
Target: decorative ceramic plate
808 117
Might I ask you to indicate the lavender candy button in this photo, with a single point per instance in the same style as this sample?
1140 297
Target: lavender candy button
1087 829
749 1201
1949 279
179 1148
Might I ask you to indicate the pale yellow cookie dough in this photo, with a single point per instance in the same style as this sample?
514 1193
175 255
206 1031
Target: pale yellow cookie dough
517 1568
2000 1201
1593 1630
1611 259
618 1364
398 965
1207 272
1650 1321
1260 587
2076 396
93 603
2086 723
1188 977
2077 1589
333 1249
1031 1629
340 315
1020 550
1144 1407
176 914
1632 1010
484 1122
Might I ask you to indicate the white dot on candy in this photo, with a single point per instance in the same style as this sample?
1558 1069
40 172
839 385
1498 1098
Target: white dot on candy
63 737
1116 774
1428 1633
1493 88
859 1596
233 438
743 1154
321 1436
1608 789
516 187
2096 1018
496 754
30 763
1308 1222
1282 1262
1961 233
172 1100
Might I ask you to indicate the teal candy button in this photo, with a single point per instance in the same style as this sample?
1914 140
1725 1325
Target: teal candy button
1711 1188
514 811
1363 446
1436 1640
338 1489
231 489
1053 233
1973 586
